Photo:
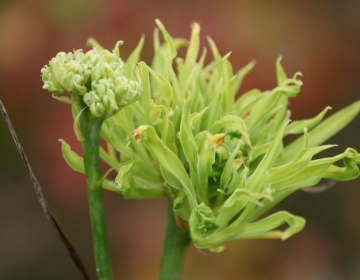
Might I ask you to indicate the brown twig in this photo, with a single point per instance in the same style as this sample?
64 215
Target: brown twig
37 188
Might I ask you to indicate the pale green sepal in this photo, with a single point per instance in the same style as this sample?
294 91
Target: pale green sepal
202 223
112 137
188 145
270 156
171 179
116 49
246 102
301 160
231 124
110 186
168 136
186 136
171 51
297 127
136 182
145 99
236 202
163 85
178 94
238 180
311 175
260 150
167 159
229 168
261 229
76 126
265 227
194 45
261 112
195 117
315 169
107 158
349 171
133 58
95 44
241 74
206 158
256 181
306 138
181 206
157 113
324 130
75 161
290 87
214 51
280 73
64 99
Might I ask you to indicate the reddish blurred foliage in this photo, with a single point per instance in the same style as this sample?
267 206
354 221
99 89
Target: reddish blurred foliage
317 39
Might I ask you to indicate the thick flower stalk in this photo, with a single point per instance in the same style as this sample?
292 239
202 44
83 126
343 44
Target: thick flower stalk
100 84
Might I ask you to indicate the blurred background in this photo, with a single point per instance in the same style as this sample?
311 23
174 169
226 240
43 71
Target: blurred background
320 39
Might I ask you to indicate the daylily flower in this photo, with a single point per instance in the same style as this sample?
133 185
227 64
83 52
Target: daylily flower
221 161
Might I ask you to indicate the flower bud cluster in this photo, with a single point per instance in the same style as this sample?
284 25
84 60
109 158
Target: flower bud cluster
96 76
67 72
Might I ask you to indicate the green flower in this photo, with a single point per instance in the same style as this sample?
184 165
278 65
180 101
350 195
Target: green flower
67 72
221 161
97 77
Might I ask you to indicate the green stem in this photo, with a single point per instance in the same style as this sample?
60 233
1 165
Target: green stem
90 127
175 246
